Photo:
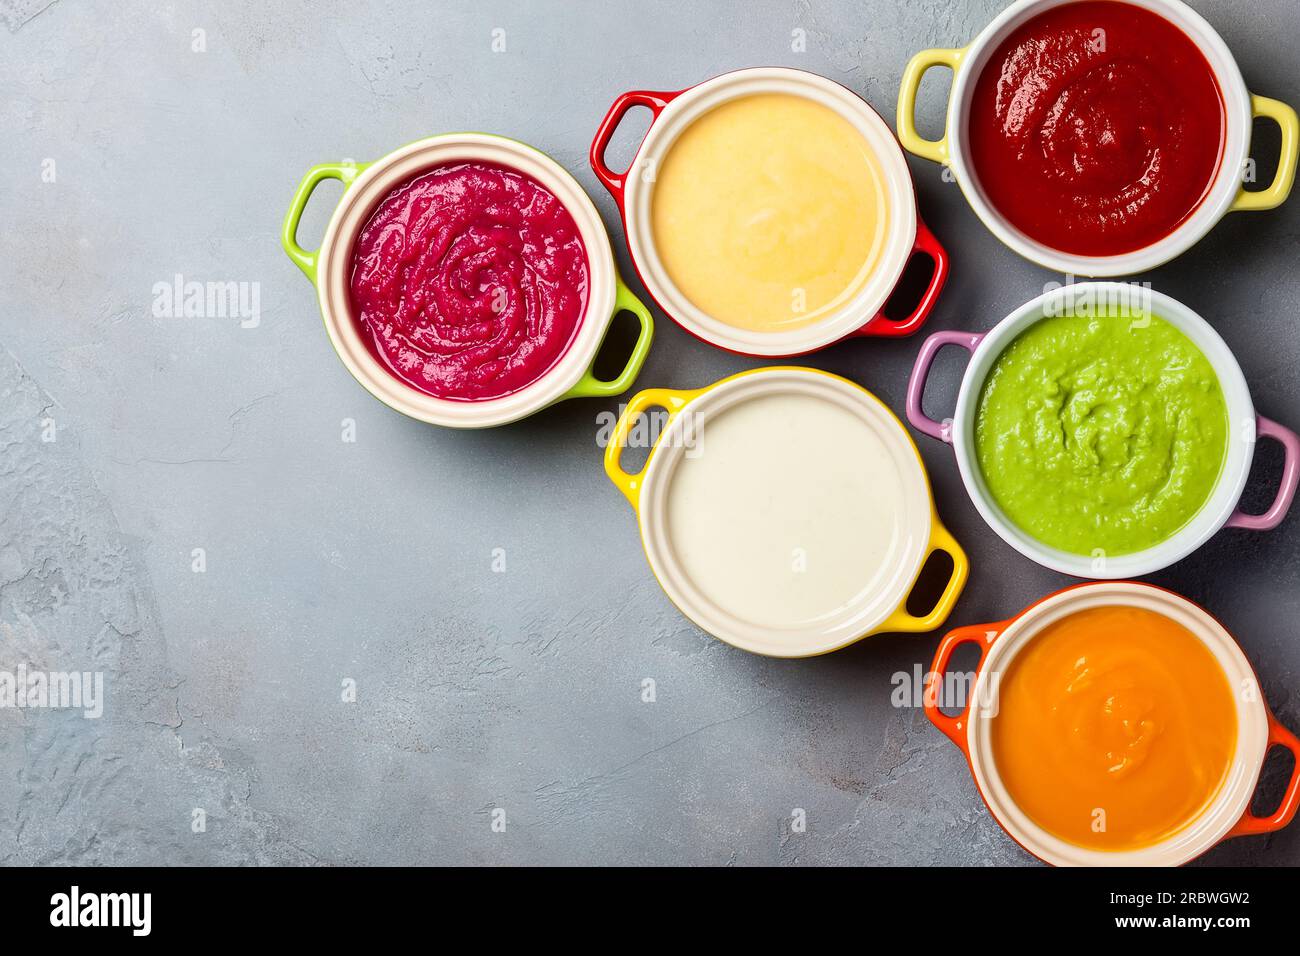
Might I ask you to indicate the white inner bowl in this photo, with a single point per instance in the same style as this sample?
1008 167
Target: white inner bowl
335 269
1237 456
1213 207
1243 774
688 434
689 106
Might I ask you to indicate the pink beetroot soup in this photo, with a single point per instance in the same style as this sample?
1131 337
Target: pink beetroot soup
469 281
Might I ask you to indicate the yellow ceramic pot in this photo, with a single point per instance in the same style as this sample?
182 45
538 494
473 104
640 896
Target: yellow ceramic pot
785 511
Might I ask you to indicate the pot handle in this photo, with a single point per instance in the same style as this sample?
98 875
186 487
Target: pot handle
1249 824
345 173
914 142
589 386
653 101
1276 192
672 400
940 540
1290 441
921 371
926 245
955 727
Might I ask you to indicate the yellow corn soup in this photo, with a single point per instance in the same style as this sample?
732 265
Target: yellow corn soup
769 212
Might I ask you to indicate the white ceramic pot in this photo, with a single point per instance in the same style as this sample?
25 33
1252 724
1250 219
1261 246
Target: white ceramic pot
1226 193
1227 815
1244 427
674 113
329 269
785 502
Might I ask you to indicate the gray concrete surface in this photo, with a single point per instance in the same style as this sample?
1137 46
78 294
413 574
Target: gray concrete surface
371 561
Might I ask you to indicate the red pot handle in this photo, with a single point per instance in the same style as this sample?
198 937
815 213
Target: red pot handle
926 245
981 634
655 102
1249 824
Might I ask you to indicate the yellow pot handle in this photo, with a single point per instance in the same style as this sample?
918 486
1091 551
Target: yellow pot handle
914 142
1284 179
672 400
940 540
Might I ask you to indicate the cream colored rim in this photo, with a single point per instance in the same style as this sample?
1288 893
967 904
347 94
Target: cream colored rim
854 622
1215 205
355 208
1232 478
1243 774
690 106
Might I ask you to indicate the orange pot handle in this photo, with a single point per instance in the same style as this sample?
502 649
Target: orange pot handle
981 634
1250 824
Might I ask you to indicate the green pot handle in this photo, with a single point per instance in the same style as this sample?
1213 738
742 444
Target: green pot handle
345 173
591 387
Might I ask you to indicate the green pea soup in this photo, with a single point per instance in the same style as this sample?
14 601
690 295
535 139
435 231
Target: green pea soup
1101 434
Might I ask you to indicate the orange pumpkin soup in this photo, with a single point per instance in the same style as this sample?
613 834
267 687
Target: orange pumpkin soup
1115 728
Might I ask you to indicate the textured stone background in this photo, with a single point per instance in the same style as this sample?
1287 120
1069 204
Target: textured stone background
371 560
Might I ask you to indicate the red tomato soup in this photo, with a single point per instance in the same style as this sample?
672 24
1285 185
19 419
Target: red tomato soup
469 281
1096 128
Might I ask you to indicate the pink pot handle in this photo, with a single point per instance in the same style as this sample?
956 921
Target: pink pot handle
1267 428
921 371
926 245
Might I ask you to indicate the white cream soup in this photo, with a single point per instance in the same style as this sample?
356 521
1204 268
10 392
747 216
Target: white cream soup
792 510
